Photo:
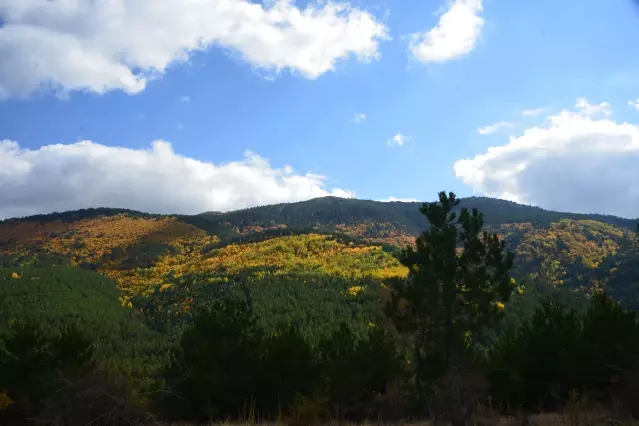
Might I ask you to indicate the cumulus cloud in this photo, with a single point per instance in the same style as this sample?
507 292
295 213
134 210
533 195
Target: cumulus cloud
358 118
398 140
488 130
455 34
533 112
580 161
185 99
634 104
157 180
106 45
401 200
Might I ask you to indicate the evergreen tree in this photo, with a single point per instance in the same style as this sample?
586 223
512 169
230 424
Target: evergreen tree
356 370
35 365
217 366
457 284
541 362
558 352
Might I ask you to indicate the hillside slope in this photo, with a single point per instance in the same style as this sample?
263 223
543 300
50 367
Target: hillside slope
63 297
329 237
401 216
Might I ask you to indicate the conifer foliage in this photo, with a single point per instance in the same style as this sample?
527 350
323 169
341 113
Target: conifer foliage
458 283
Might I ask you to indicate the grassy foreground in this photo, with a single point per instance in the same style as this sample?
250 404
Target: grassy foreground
576 413
544 419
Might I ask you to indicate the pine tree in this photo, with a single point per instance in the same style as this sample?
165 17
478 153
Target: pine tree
457 285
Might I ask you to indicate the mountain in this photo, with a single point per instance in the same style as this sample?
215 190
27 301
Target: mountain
402 217
134 279
329 237
386 220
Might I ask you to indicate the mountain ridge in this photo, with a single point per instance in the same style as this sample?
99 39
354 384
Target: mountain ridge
397 206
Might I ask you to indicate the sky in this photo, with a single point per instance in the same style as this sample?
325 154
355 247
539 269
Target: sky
185 106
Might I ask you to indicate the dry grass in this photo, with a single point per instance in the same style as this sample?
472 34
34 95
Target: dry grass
578 411
583 418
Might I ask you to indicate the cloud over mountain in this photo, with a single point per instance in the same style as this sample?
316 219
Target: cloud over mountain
157 180
580 160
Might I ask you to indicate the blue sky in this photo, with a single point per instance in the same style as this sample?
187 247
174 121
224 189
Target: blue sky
435 76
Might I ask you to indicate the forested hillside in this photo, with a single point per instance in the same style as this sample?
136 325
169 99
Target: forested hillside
315 276
324 238
327 236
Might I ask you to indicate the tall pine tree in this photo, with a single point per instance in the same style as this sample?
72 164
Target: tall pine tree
457 284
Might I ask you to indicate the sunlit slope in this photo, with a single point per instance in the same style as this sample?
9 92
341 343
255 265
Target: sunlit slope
297 254
99 239
328 236
575 253
141 253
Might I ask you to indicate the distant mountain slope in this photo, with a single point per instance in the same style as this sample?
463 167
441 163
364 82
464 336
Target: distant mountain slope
144 251
331 211
383 222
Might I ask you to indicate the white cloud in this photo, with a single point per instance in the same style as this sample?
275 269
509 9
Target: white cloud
589 109
580 161
358 118
402 200
533 112
399 140
494 128
455 34
634 104
99 46
185 99
86 174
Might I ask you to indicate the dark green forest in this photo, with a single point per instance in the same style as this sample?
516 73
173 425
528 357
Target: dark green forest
326 309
